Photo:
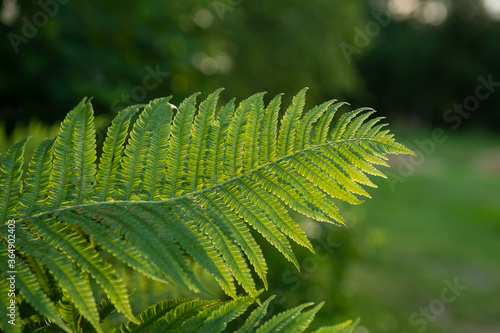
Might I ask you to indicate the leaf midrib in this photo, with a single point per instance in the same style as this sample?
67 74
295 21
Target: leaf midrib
207 189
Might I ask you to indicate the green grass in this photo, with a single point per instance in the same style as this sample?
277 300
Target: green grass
442 222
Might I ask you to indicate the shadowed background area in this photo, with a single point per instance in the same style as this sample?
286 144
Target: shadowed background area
431 67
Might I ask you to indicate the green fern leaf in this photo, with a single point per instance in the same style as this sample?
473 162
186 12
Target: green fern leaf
154 172
178 147
105 308
135 172
200 144
63 270
223 237
343 122
31 290
275 212
308 199
234 196
305 125
323 126
77 248
281 321
253 140
216 145
37 178
269 130
202 249
198 185
5 311
302 321
288 129
115 245
192 315
238 232
10 179
174 320
255 317
71 315
73 168
218 319
162 315
346 327
136 224
112 153
84 156
235 140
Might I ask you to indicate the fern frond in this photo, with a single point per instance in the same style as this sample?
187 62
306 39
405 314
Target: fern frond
305 125
224 236
255 317
270 130
197 182
252 132
235 197
71 315
239 233
62 268
81 252
31 290
72 156
10 179
105 308
323 127
37 178
114 243
346 327
223 314
136 225
205 251
283 320
164 314
5 311
235 140
216 145
135 172
174 320
178 147
200 144
154 171
84 157
192 315
288 129
275 212
302 321
112 153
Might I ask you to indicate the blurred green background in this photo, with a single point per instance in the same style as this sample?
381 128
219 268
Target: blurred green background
430 66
